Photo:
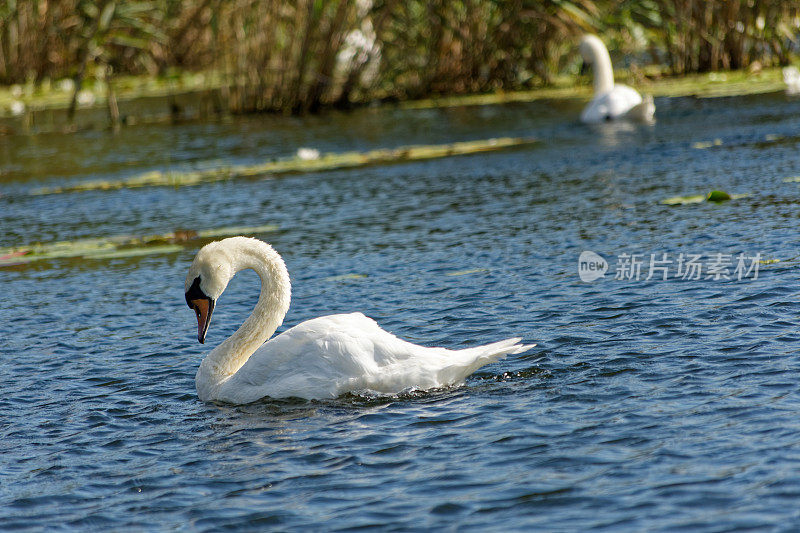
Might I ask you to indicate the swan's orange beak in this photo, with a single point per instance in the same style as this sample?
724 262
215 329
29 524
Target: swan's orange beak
203 307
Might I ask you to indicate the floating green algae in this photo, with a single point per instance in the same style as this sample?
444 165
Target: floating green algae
295 165
466 272
770 139
122 253
346 277
713 196
702 145
683 200
120 246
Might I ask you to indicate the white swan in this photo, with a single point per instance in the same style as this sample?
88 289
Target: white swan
320 358
611 101
791 77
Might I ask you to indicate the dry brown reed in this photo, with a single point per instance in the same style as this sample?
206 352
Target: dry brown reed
297 56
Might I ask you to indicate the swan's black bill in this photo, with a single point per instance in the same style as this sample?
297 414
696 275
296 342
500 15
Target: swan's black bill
202 305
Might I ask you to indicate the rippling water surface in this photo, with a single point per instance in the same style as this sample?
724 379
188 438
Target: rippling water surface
647 405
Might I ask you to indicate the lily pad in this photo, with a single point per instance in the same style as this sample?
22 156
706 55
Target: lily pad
718 196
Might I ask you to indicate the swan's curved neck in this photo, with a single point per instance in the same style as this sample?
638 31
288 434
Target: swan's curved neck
273 303
596 53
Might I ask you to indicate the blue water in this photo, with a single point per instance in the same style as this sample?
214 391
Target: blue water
648 405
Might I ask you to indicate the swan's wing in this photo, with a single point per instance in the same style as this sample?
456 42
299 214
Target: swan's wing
327 356
621 99
642 112
791 76
320 357
611 104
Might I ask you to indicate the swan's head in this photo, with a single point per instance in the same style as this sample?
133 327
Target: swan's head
208 276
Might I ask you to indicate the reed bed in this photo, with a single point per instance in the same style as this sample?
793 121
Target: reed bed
301 55
694 36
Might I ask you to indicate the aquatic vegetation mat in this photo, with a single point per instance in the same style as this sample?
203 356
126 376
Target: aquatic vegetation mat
346 277
713 197
706 85
770 139
466 272
120 246
295 165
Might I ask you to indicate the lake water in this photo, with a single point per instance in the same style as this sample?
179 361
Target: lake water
648 405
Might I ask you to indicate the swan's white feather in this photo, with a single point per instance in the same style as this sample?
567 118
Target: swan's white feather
791 77
611 105
331 355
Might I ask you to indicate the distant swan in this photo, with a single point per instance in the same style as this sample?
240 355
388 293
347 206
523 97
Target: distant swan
320 358
791 77
611 101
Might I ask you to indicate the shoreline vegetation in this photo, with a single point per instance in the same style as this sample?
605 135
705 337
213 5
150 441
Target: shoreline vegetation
194 96
252 56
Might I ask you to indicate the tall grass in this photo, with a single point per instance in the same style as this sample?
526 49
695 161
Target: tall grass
296 56
440 46
60 38
696 36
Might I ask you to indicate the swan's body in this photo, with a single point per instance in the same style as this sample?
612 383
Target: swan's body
320 358
611 101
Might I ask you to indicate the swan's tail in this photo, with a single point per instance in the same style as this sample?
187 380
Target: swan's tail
644 111
471 359
791 77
